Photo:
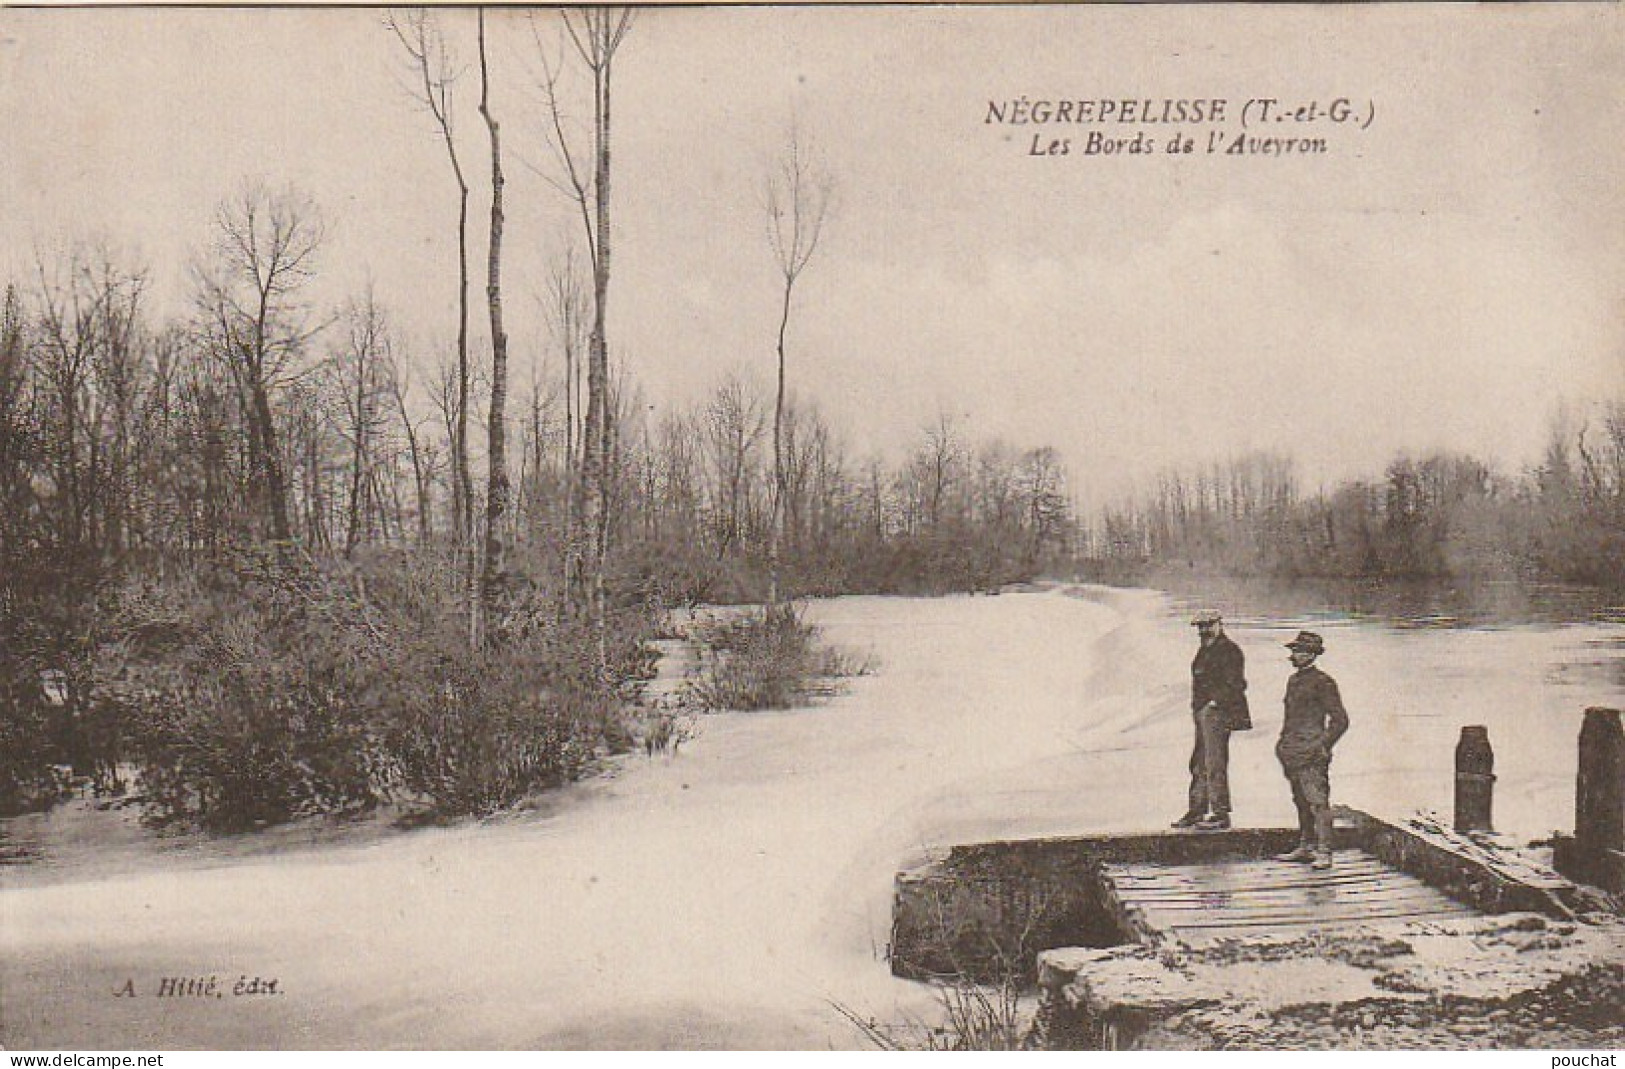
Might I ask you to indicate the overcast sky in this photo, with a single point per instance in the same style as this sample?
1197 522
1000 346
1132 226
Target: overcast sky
1444 277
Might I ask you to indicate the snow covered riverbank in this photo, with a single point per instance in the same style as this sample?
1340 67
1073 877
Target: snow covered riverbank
725 897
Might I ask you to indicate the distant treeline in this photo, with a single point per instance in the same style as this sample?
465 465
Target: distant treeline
127 442
950 516
1440 516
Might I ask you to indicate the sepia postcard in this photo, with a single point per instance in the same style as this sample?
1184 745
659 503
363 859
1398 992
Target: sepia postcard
812 527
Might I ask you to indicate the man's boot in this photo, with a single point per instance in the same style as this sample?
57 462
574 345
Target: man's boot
1323 860
1301 855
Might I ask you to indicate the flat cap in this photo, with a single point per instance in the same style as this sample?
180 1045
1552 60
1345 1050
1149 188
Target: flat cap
1206 618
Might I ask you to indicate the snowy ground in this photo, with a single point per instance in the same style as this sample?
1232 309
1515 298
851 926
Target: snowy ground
726 897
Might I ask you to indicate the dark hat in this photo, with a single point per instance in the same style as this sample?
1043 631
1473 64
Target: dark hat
1309 642
1206 618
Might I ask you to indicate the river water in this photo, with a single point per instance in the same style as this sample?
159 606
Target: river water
731 895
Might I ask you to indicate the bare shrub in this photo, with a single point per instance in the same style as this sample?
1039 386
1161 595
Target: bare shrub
664 731
51 736
267 686
771 659
972 1016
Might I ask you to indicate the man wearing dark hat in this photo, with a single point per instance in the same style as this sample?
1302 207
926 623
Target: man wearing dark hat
1314 721
1219 706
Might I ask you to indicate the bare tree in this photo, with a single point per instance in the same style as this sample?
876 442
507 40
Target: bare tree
537 484
939 466
447 400
436 72
874 503
19 442
307 451
361 373
250 296
595 34
496 495
678 476
832 504
733 425
86 359
569 313
1042 485
798 197
398 377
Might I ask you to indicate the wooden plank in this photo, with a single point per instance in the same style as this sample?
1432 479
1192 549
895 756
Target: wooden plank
1225 862
1421 894
1284 878
1303 875
1307 908
1373 895
1257 869
1195 937
1363 885
1355 884
1452 911
1500 862
1206 901
1344 858
1304 914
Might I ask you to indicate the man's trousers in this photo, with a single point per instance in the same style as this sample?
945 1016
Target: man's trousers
1210 764
1312 794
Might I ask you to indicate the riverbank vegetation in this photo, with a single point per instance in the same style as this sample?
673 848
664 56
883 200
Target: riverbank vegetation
251 571
1440 517
768 659
254 648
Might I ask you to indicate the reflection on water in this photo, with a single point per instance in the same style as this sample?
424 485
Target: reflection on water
16 853
1410 604
87 836
1607 664
1593 657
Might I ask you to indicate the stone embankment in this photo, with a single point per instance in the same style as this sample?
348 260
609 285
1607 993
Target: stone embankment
1506 982
1202 942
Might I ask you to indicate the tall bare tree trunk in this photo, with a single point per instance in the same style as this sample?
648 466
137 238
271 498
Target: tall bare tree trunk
598 359
568 311
420 473
462 477
358 468
596 34
798 196
496 498
436 70
775 519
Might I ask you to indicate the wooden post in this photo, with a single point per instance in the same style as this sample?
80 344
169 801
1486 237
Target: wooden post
1475 779
1599 803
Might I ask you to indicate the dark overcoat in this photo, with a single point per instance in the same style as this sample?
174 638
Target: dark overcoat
1219 675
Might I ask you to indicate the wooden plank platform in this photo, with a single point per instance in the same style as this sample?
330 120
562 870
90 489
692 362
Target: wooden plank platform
1200 904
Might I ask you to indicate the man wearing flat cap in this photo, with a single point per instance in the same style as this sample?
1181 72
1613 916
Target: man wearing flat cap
1218 706
1314 721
